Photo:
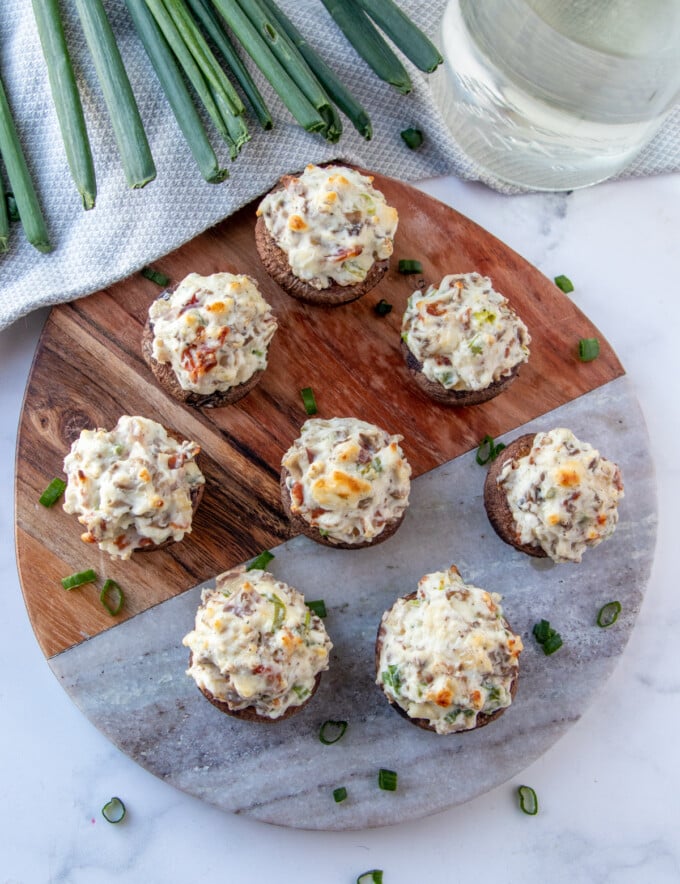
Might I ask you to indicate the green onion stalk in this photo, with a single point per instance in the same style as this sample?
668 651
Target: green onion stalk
32 218
66 99
176 91
126 121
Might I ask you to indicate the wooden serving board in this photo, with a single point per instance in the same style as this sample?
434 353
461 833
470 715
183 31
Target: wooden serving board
88 371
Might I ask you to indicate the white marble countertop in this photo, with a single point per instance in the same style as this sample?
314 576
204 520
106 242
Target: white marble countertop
606 789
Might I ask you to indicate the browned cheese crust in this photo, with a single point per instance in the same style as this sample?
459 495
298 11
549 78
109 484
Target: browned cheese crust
496 502
276 264
166 377
454 397
249 713
482 719
314 534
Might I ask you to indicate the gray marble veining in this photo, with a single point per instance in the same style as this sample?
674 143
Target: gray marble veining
131 682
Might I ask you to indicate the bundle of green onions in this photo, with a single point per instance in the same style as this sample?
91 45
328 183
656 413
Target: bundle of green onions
192 46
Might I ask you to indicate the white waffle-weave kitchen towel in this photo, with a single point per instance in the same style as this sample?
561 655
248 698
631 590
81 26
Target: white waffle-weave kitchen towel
128 229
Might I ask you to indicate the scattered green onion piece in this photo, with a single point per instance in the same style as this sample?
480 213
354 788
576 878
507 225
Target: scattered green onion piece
408 266
608 614
383 307
79 579
259 563
588 349
308 400
528 800
155 276
114 811
548 638
279 611
375 876
488 450
319 608
52 493
564 283
331 731
112 597
387 780
339 794
413 138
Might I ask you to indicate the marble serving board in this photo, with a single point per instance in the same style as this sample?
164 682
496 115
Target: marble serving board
128 673
131 680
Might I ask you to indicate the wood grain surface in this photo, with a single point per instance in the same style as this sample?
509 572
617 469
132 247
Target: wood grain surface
88 371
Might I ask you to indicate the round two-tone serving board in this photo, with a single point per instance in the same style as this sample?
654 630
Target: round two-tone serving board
127 672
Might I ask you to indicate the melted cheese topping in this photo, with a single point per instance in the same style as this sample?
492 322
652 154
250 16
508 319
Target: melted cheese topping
255 643
131 486
213 330
465 334
563 495
348 478
331 223
448 655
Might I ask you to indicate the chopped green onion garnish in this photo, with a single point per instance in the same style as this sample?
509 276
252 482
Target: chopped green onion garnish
375 876
488 450
113 811
408 266
528 801
387 780
155 276
608 614
331 731
259 563
112 597
383 307
564 283
319 607
588 349
413 138
308 400
279 611
547 637
339 794
53 492
79 579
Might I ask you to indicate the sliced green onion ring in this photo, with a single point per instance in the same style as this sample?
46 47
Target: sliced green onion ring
608 614
406 265
155 276
331 731
488 450
383 307
387 780
588 349
528 800
375 876
308 400
339 794
413 138
112 597
259 563
80 578
319 608
114 811
53 492
564 283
